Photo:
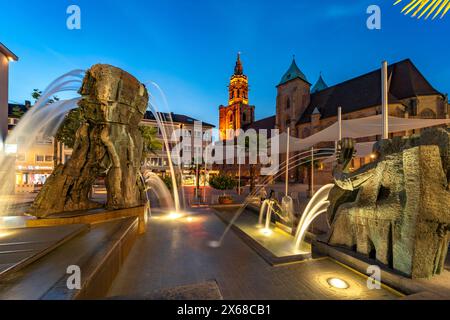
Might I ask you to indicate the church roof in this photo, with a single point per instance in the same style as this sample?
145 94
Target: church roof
293 72
176 118
320 85
365 91
266 123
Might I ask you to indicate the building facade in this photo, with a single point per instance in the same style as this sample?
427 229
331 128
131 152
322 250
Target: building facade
6 56
36 163
238 113
179 129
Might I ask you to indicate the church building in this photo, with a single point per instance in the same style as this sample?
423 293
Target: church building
307 109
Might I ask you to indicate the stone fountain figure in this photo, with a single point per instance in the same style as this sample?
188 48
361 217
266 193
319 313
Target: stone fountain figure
396 209
108 144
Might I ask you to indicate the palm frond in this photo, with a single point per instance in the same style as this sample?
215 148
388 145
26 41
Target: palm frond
418 8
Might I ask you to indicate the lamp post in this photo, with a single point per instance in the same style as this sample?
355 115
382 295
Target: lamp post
204 177
239 181
239 169
340 122
384 99
287 160
339 129
312 172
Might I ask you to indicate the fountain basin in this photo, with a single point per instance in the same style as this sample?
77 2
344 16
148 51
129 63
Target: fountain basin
19 247
274 245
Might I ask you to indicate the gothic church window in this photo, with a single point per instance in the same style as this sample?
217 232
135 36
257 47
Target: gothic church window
428 114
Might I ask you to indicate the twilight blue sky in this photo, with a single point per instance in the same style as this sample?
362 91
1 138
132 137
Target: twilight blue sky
189 47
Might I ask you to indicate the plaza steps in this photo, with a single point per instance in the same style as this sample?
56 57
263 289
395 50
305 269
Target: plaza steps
99 252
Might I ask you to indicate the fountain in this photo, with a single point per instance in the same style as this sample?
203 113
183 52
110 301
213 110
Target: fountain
41 121
162 128
284 210
97 152
271 207
108 144
154 184
161 124
317 205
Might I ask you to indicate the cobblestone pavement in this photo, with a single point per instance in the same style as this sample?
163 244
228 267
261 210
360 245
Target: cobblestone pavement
176 252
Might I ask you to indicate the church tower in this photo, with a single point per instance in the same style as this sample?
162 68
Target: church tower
238 113
293 97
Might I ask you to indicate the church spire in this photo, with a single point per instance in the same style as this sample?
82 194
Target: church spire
293 72
320 85
238 69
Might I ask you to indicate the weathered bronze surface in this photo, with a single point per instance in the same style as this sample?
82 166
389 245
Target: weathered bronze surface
397 209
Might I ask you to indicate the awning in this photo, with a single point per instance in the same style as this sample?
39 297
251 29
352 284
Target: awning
355 128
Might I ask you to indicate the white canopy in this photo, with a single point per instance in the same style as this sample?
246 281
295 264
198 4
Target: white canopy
355 128
363 149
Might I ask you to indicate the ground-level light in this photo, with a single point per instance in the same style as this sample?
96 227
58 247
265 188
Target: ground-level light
338 283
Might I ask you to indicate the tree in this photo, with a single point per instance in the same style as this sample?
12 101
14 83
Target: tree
36 95
68 129
222 182
150 142
17 112
167 179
